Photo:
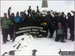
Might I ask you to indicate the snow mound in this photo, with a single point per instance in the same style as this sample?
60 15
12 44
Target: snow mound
23 41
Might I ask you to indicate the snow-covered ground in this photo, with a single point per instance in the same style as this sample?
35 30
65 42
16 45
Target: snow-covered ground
44 46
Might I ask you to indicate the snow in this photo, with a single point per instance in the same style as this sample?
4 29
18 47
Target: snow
44 46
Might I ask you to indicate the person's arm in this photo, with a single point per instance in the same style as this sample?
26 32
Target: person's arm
51 20
1 21
10 22
9 11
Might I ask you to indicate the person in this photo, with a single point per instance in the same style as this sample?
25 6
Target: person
33 14
55 19
43 23
17 24
41 18
61 19
29 11
17 18
59 33
71 26
30 20
54 22
49 19
6 23
37 12
65 25
23 17
37 20
12 28
24 20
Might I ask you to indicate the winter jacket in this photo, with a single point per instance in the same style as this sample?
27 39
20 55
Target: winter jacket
49 19
17 19
6 23
71 22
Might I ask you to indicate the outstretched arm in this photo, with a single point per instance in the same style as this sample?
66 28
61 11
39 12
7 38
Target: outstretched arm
9 11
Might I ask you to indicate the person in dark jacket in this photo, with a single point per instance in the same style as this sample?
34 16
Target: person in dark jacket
30 20
65 25
71 26
24 19
49 19
41 18
55 21
33 14
36 20
59 33
43 23
6 23
12 28
61 19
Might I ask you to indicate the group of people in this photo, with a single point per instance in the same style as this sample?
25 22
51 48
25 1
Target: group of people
59 23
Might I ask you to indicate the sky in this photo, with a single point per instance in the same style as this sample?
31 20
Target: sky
21 5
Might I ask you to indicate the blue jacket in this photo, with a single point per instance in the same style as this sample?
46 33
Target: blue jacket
17 19
24 20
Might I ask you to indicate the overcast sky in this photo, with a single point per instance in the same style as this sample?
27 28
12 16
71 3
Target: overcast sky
65 6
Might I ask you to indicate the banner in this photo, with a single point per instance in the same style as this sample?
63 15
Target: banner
34 29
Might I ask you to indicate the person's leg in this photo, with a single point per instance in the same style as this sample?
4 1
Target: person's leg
62 38
49 27
72 34
46 28
51 33
4 35
11 33
65 31
57 38
7 31
52 29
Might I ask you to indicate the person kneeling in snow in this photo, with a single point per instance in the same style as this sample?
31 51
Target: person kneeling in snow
59 33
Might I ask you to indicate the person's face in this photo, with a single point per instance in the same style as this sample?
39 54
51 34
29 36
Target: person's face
68 15
59 25
12 14
37 6
41 15
60 14
17 14
21 14
48 13
55 15
29 6
5 15
24 15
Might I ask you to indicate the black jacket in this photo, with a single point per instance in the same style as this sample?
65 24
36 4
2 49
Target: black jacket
62 20
49 19
71 21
